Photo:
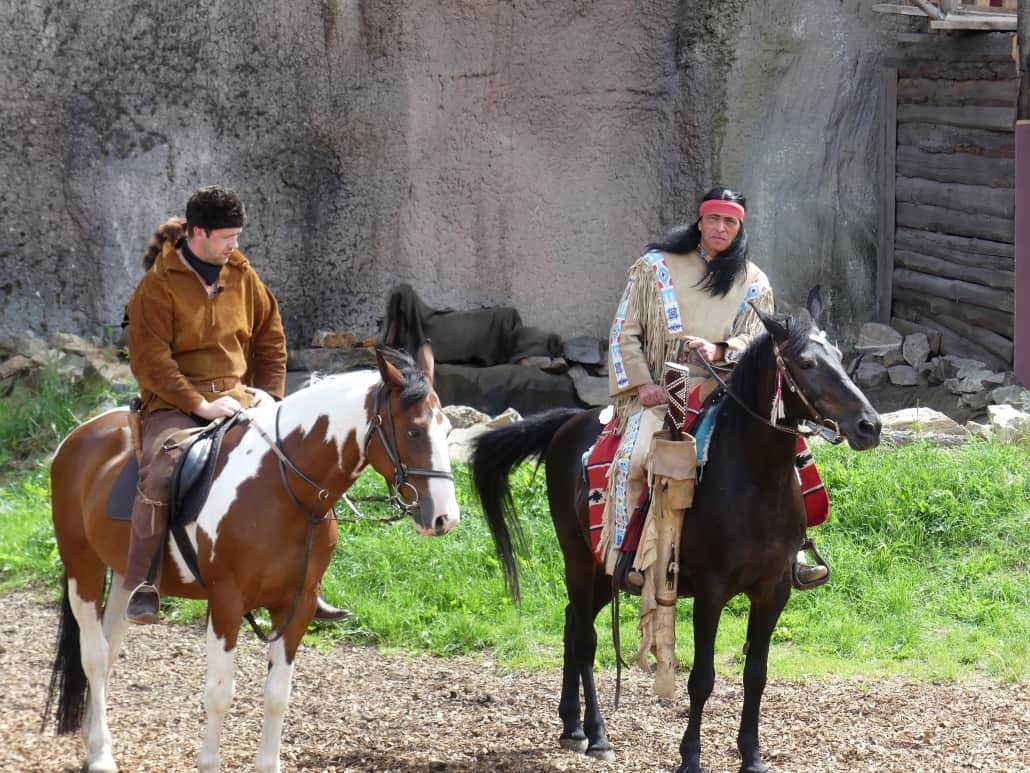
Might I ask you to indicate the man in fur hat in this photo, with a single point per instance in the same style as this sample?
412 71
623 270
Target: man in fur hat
205 341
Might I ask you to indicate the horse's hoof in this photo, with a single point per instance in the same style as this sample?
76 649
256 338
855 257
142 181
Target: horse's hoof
604 755
574 744
103 764
755 767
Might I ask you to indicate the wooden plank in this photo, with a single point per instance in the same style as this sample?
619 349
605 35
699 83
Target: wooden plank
992 319
1002 280
959 71
998 345
953 342
961 168
954 221
957 249
934 138
950 6
945 48
888 144
953 290
903 10
979 199
1022 364
950 93
976 23
995 118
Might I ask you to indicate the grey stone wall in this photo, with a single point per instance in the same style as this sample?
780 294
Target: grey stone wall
489 153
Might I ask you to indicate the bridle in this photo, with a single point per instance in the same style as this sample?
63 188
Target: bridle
388 438
827 428
401 472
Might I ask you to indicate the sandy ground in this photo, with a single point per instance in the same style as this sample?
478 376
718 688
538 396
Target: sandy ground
356 710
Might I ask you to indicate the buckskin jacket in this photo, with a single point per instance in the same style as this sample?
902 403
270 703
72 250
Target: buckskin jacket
186 346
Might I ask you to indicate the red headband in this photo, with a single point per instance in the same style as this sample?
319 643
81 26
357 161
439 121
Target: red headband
722 207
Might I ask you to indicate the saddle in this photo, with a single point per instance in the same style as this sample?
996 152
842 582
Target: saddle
190 483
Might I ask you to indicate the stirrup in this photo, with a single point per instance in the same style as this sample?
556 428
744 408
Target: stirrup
144 613
809 547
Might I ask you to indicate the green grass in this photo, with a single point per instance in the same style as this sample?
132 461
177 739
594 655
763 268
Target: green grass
929 549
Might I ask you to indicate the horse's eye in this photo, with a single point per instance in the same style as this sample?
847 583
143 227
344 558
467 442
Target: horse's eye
414 433
807 363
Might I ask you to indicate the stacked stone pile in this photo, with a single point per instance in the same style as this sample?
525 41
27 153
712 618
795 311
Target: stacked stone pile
24 358
883 355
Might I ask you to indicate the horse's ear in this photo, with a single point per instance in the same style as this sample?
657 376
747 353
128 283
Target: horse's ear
426 361
391 376
776 327
814 304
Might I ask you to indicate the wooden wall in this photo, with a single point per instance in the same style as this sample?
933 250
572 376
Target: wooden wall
949 201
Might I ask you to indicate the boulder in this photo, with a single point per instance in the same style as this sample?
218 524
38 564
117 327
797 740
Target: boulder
333 340
586 350
464 416
910 424
903 375
592 390
871 375
878 339
916 349
1014 394
1009 424
325 360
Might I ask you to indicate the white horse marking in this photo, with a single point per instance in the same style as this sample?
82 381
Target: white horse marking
95 664
218 694
278 686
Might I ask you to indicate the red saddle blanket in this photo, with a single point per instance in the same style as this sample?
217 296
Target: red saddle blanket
600 457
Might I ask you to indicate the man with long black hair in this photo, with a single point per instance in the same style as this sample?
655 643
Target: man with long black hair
695 285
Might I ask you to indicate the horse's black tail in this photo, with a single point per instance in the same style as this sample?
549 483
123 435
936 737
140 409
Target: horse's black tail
495 455
67 679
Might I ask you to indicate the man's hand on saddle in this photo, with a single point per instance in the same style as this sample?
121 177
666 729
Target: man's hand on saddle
706 349
259 397
651 395
224 406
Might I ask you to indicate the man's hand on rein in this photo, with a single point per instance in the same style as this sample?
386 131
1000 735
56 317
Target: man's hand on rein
651 395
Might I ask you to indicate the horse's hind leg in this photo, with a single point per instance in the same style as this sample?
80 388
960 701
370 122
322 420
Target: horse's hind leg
115 623
761 622
599 746
84 597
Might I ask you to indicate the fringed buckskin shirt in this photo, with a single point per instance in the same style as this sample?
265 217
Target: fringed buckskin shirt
662 303
186 346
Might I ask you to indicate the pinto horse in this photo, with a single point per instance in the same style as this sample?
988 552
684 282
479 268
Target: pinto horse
746 524
263 537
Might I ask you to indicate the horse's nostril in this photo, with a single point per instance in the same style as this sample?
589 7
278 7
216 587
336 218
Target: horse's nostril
440 523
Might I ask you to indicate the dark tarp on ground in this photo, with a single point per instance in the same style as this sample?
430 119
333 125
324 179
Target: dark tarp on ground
492 390
479 337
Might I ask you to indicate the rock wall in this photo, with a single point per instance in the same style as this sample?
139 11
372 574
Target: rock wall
489 153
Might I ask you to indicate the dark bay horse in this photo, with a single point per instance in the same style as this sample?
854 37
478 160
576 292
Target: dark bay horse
263 538
740 536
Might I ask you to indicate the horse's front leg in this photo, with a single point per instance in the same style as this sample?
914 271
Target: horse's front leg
572 738
761 622
223 624
707 610
279 682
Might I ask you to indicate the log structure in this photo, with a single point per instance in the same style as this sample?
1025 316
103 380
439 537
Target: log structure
948 171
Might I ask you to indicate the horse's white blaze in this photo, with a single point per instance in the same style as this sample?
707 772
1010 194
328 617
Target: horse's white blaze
441 489
819 337
218 693
94 652
278 686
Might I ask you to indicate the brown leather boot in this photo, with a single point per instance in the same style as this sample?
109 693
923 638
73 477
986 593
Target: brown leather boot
326 611
146 553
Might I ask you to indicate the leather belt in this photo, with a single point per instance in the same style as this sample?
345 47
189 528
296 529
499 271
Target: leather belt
216 385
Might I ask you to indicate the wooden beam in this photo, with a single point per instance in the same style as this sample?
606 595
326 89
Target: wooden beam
974 199
954 290
903 10
945 49
888 145
954 221
930 10
957 249
934 138
950 93
975 22
998 321
995 118
1002 280
961 168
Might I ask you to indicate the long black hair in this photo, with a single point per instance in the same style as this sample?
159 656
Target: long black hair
722 271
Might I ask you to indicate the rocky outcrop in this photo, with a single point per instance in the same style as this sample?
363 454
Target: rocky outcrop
488 153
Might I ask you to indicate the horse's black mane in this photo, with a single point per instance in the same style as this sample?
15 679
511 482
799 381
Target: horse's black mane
747 375
415 388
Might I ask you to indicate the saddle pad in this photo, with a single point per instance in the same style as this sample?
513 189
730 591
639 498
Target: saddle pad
597 461
813 491
123 492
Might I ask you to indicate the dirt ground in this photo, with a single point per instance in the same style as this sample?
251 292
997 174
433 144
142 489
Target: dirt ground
356 710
